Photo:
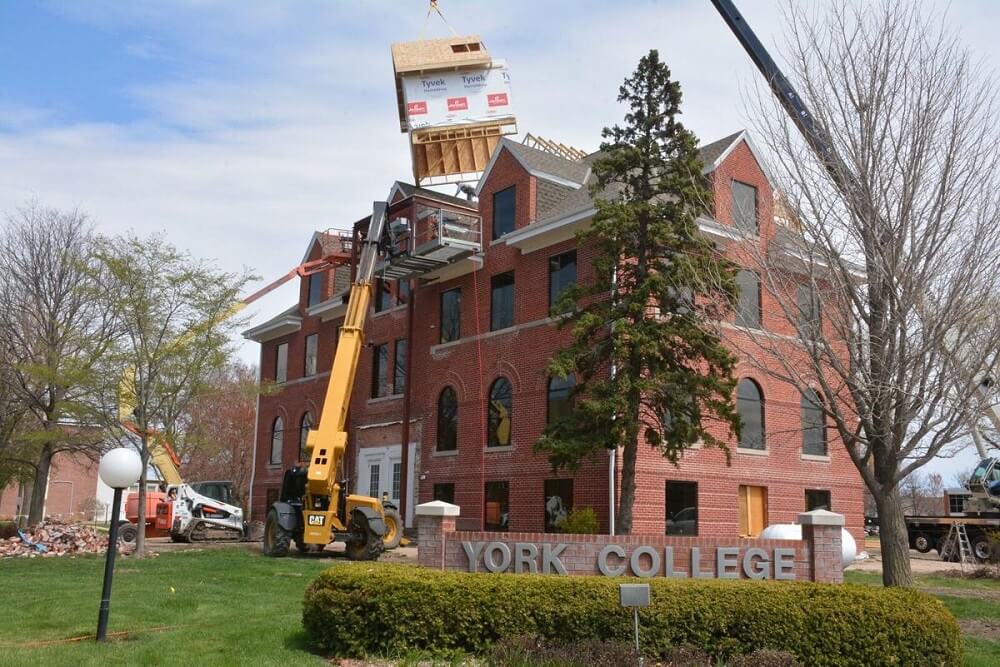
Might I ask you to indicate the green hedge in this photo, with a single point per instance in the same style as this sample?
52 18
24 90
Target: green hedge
358 609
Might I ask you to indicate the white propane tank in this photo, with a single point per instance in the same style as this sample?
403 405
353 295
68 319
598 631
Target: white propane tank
793 531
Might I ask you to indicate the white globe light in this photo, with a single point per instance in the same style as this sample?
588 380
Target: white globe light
793 531
120 468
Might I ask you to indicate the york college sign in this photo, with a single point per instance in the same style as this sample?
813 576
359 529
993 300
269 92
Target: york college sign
816 557
613 560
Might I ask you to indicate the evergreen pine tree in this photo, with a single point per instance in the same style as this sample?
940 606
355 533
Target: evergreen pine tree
648 364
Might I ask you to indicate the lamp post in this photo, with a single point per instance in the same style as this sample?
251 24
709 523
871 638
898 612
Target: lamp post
120 468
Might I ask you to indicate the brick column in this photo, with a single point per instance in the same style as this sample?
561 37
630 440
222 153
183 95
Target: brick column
435 520
821 533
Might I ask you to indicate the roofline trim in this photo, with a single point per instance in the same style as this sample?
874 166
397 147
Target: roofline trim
558 180
312 242
268 330
545 226
333 303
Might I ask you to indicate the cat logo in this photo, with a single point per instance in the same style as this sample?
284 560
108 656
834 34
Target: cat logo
316 519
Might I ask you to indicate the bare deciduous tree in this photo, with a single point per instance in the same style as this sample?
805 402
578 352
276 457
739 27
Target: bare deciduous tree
55 336
887 268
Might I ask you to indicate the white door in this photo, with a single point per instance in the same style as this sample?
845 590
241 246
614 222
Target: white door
380 470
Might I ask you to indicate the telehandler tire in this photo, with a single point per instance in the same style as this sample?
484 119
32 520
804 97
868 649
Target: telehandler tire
276 538
393 529
365 545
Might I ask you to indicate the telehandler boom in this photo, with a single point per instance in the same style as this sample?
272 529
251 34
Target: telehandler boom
314 508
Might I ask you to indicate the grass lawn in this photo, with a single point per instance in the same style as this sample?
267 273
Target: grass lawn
974 602
212 607
232 606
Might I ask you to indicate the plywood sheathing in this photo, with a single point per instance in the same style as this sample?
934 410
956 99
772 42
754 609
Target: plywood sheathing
435 55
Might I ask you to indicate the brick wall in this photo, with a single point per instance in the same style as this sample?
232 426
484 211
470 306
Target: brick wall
520 354
72 483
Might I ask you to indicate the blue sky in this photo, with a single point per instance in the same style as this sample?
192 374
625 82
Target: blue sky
238 126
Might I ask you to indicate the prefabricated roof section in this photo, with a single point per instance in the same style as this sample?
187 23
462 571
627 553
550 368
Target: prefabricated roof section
435 55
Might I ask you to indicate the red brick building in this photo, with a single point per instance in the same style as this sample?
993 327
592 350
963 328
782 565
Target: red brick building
475 336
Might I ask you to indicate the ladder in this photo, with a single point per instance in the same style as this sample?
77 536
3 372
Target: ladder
958 542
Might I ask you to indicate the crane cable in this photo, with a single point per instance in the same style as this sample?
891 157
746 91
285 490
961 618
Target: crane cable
433 7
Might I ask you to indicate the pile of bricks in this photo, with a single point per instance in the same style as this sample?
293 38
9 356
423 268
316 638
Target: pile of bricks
55 538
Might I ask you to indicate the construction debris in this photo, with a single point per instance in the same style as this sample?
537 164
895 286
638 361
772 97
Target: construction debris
55 538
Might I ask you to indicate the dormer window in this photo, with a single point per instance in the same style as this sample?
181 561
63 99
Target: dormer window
503 212
744 209
315 289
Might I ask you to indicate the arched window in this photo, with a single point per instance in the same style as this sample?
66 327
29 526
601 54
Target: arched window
447 422
501 411
560 400
813 424
304 428
750 406
277 438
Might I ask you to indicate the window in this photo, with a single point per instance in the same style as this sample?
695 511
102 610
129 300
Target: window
502 302
562 274
281 363
817 500
272 495
956 502
383 295
403 290
503 212
753 510
748 312
451 311
277 440
497 510
560 403
501 407
316 288
750 406
810 315
813 424
380 371
745 207
682 508
445 493
374 474
312 348
447 421
304 428
558 503
397 476
399 367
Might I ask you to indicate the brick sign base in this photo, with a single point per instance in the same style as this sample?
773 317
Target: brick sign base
816 557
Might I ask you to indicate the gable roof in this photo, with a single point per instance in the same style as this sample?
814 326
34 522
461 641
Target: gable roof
710 153
563 187
571 174
713 154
